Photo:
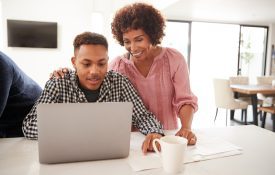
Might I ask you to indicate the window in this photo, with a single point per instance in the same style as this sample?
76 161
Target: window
214 54
215 50
177 36
252 56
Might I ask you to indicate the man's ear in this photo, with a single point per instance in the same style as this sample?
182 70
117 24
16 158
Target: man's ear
73 62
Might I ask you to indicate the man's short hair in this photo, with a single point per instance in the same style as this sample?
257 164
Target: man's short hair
90 38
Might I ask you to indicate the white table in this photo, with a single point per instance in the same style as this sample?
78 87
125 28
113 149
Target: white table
20 156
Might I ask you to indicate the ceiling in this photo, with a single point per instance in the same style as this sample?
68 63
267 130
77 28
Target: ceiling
258 12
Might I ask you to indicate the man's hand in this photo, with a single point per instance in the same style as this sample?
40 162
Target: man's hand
147 144
188 134
59 73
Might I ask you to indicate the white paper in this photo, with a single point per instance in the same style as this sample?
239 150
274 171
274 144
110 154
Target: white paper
205 149
140 162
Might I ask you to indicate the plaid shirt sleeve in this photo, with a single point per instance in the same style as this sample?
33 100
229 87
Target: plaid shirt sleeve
49 95
142 119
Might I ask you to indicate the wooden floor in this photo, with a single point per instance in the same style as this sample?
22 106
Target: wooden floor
268 122
220 121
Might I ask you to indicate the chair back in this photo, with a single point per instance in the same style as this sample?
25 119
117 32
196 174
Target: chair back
265 80
224 96
238 80
244 80
268 100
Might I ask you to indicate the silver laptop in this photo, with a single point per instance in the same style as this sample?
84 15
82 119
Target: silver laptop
70 132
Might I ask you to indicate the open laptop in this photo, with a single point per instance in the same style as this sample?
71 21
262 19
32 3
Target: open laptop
70 132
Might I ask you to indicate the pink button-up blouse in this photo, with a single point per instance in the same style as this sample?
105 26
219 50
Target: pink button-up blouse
165 89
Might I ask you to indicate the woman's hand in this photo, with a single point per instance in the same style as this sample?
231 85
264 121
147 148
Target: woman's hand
147 145
59 73
188 134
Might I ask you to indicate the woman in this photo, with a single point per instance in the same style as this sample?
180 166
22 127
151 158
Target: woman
159 74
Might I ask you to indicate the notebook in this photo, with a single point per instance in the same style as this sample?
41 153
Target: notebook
71 132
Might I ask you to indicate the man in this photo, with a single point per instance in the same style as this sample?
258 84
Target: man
18 93
90 82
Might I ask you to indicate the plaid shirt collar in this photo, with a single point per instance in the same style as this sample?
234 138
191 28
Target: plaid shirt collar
104 88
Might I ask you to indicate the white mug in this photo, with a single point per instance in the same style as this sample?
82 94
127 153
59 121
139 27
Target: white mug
172 152
273 82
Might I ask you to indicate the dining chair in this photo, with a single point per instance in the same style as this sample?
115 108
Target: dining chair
266 110
268 100
243 80
224 98
265 80
239 80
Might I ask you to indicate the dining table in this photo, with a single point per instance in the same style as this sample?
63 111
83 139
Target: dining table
252 90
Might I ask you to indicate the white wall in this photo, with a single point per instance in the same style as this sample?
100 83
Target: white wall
72 16
39 62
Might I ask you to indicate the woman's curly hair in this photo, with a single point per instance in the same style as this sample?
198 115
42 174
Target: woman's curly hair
139 16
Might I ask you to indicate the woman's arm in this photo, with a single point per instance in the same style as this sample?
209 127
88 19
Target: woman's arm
185 102
186 118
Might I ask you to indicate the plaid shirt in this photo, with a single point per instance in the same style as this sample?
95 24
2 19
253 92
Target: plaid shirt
115 88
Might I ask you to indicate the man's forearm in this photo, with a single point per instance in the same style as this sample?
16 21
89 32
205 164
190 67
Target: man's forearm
147 123
48 95
155 126
29 126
